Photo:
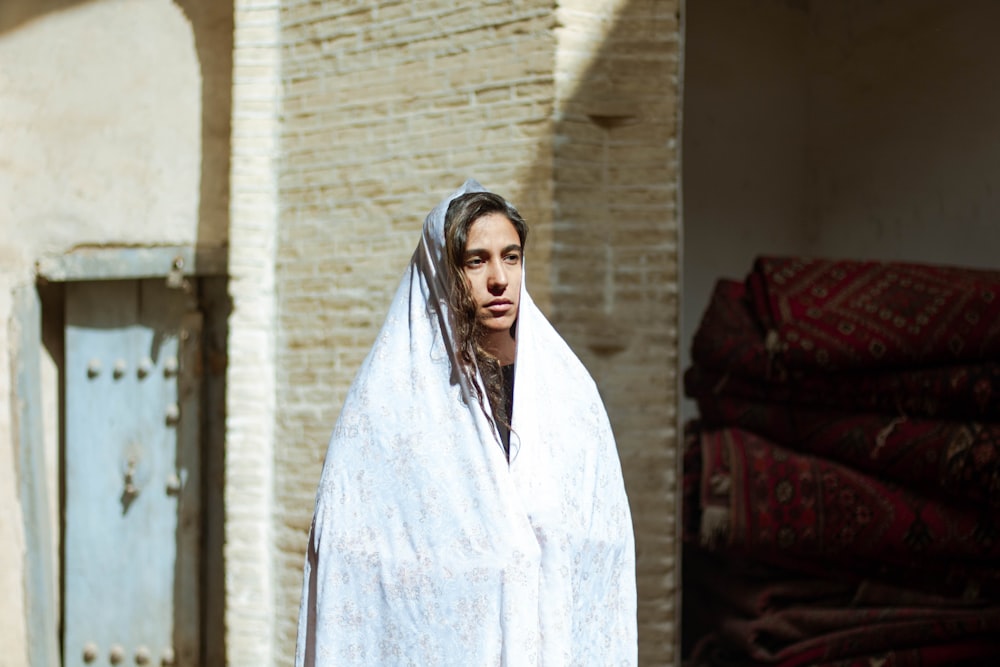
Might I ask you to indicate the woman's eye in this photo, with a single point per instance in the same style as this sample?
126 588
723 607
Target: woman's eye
473 262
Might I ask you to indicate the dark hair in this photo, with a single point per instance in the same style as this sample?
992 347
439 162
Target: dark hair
463 211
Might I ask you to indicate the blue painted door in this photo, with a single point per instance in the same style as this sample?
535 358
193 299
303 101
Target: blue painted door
131 475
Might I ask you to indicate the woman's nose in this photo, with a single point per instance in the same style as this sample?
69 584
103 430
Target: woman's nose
496 279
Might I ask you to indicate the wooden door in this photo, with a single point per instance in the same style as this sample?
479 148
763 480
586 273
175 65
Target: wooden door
131 474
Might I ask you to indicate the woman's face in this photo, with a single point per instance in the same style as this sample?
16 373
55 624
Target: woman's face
492 266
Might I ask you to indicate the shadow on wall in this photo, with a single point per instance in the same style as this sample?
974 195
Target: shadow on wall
15 14
614 270
212 27
212 24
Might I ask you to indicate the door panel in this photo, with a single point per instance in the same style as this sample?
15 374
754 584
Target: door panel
131 515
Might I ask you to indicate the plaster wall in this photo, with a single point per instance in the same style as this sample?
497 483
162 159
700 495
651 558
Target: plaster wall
744 145
101 129
104 144
904 131
13 609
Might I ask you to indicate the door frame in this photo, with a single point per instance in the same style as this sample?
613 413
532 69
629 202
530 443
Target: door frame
173 263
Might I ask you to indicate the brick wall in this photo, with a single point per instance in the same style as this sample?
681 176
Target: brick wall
615 263
386 107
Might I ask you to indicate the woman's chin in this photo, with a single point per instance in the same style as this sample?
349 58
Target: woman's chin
493 325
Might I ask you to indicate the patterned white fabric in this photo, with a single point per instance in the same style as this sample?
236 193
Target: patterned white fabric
426 548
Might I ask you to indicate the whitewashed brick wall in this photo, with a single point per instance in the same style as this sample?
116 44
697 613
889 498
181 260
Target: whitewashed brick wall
252 394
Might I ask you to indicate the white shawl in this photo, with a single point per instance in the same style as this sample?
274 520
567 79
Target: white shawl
426 547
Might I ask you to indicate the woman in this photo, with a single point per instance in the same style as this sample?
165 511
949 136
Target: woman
484 243
433 543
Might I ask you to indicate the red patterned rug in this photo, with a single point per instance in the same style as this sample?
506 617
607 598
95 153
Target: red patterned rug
849 433
749 496
844 314
957 459
733 355
740 613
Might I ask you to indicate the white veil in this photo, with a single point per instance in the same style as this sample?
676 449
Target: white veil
426 547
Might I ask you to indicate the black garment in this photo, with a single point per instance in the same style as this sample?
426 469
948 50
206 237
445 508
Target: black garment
508 400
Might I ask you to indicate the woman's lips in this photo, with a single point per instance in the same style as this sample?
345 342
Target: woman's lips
499 307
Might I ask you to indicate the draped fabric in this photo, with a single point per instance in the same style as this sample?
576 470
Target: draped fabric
848 440
427 547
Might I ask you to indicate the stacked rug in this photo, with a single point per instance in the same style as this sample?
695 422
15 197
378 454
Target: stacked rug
842 481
